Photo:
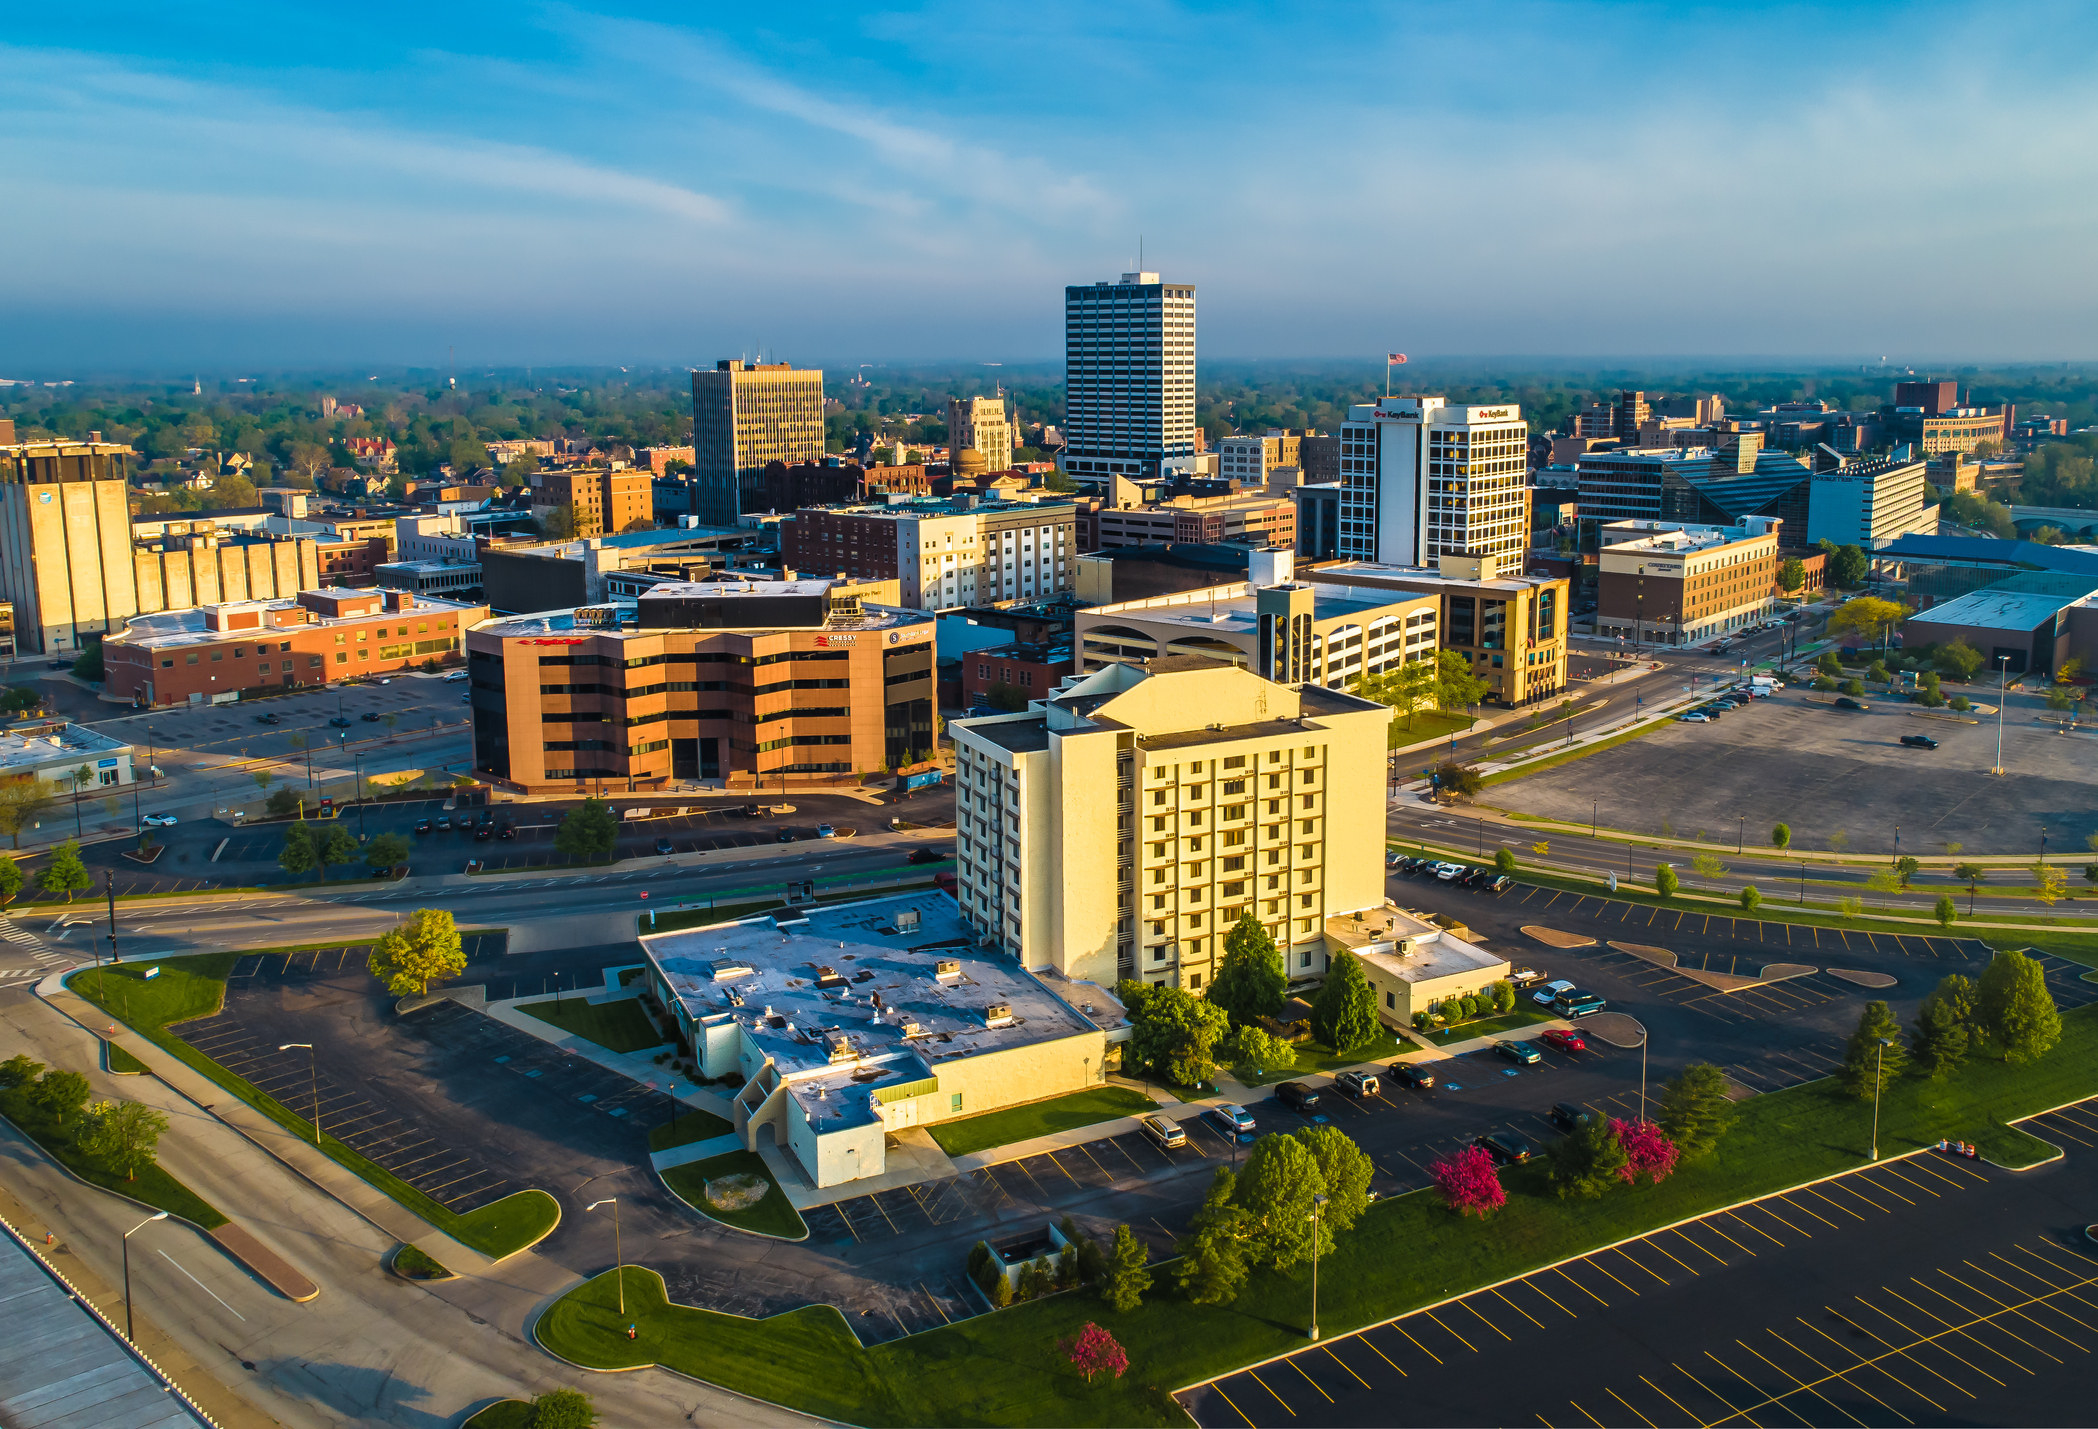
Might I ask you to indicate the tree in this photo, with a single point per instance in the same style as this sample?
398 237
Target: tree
1854 688
1504 860
1405 689
1883 880
1850 907
1878 673
87 665
20 699
22 803
1957 660
562 1409
423 948
1945 911
10 881
124 1136
588 834
519 470
1454 778
1344 1015
1126 1279
1094 1351
2048 883
1256 1047
1973 875
65 873
1848 567
1751 898
1648 1151
1695 1109
1456 687
1345 1169
1469 1182
298 855
1942 1032
1791 575
1665 881
337 845
19 1071
1213 1252
1251 982
1826 663
1172 1033
1280 1178
1587 1161
1906 868
1875 1055
1706 865
2013 1008
1781 836
385 852
58 1093
559 523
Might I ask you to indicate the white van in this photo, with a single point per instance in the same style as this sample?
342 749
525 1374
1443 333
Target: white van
453 675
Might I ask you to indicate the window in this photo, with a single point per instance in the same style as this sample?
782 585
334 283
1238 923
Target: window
342 657
1194 980
954 1103
167 664
240 652
1303 960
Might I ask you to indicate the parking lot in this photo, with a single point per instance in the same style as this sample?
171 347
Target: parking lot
1825 771
1928 1289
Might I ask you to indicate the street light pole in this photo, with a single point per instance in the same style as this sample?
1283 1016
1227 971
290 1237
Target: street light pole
618 1254
2003 668
156 1216
1318 1203
357 763
1879 1059
313 1082
110 888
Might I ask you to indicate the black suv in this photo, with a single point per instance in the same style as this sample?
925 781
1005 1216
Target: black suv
1411 1074
1919 741
1298 1096
1569 1117
1505 1147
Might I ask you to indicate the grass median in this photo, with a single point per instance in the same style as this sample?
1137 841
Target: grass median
1314 1056
1403 1254
182 989
737 1189
617 1026
153 1185
1042 1118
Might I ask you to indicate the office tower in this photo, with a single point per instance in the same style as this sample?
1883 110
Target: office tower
1121 828
979 424
743 416
1933 398
603 502
1421 479
943 553
1129 378
1628 412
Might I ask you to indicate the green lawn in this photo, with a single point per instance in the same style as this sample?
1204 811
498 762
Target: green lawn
771 1216
154 1186
1526 1014
1318 1057
119 1062
620 1026
1405 1253
691 1125
415 1265
1426 725
1019 1123
186 988
503 1414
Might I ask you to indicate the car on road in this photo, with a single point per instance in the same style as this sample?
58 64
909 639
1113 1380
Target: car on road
825 831
925 855
339 722
424 827
1521 1052
788 836
1568 1116
1298 1096
1163 1130
444 823
1523 977
157 821
1358 1084
665 846
370 716
1411 1074
1578 1004
1505 1147
1919 741
1449 872
505 831
1549 993
1845 702
454 675
1561 1040
1234 1118
483 833
269 719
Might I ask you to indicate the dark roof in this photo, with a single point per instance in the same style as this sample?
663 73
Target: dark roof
1170 664
1318 699
1021 736
2030 555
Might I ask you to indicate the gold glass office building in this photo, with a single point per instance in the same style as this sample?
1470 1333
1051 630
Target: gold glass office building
743 416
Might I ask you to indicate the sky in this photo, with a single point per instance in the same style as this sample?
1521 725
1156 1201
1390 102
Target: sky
236 183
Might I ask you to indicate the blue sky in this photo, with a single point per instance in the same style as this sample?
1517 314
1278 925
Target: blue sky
241 183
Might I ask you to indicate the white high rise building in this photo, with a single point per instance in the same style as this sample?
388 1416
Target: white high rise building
1129 378
1420 479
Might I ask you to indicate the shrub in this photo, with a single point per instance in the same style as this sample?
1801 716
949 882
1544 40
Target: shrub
1469 1182
1648 1151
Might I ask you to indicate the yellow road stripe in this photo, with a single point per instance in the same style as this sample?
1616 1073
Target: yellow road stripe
1292 1363
1628 1405
1271 1391
1234 1406
1864 1364
1452 1333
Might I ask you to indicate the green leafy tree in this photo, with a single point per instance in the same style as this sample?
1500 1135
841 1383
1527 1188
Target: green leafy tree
10 881
298 854
1878 673
1791 575
59 1094
337 845
19 1071
2048 883
1173 1034
65 873
1127 1276
283 804
423 948
588 834
1256 1047
1850 908
1344 1014
1906 868
1957 660
1942 1032
1213 1253
1588 1161
1250 983
1276 1188
1345 1169
1751 899
2014 1009
1848 568
1453 777
1827 664
1875 1055
1504 860
1973 875
125 1136
1695 1109
1945 911
559 523
1456 687
1665 881
1781 836
1883 880
562 1409
1707 866
1854 688
87 665
386 851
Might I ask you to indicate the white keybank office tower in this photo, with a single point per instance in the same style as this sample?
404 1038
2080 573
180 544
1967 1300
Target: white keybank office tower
1420 478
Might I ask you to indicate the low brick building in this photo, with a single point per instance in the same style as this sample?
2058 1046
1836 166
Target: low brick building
1034 671
212 653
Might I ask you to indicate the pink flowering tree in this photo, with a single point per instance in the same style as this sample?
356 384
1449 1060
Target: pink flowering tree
1469 1182
1648 1151
1094 1351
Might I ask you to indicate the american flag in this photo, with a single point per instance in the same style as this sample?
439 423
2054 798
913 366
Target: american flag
1394 359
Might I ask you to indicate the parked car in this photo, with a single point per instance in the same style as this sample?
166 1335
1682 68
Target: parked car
1298 1096
1164 1131
454 675
1234 1118
1393 859
505 831
444 823
926 855
753 811
1845 702
665 846
1693 718
483 833
269 719
1561 1040
1521 1052
1449 872
423 827
1569 1117
1499 883
1475 878
1919 741
788 836
370 716
157 821
1358 1084
1578 1004
1411 1074
1549 993
825 831
1505 1147
1523 977
339 722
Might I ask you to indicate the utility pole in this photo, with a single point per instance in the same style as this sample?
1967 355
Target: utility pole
109 887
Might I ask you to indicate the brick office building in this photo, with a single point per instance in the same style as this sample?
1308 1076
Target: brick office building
1665 583
736 681
214 652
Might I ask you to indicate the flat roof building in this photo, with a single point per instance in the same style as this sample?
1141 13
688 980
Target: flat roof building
1129 378
943 552
1666 583
745 415
1421 478
1411 964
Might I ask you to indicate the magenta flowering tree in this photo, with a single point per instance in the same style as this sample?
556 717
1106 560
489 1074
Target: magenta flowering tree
1469 1182
1648 1151
1094 1351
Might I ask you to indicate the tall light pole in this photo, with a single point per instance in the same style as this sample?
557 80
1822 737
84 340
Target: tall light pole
1879 1069
2003 669
1644 1038
109 887
1318 1203
618 1270
313 1082
156 1216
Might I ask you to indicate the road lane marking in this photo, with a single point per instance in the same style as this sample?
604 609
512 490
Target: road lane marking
203 1287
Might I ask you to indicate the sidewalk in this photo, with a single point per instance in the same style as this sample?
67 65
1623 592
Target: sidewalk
634 1066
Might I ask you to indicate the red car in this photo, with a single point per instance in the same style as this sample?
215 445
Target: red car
1563 1041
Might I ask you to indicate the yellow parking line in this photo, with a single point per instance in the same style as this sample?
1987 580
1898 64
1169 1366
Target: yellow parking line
2057 1131
1628 1405
1950 1328
1520 1311
1738 1413
1234 1406
1892 1350
1891 1171
1488 1323
1671 1255
1715 1230
1344 1365
2072 1250
1292 1363
1835 1206
1707 1250
1925 1168
1418 1345
1676 1402
1748 1224
1591 1261
1580 1287
1809 1210
1365 1340
2006 1305
2044 1281
1967 1171
1271 1391
1864 1363
1923 1339
1780 1398
1829 1374
1764 1207
1540 1290
1453 1334
1867 1178
1586 1415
